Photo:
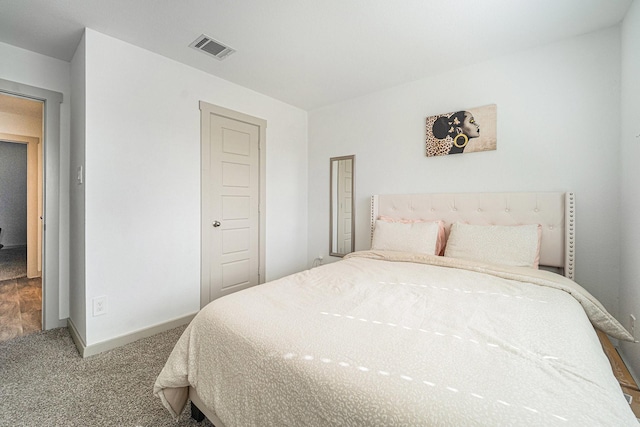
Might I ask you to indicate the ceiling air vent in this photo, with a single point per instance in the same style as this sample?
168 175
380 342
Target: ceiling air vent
211 47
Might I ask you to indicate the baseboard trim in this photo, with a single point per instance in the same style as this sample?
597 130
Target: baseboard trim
102 346
75 336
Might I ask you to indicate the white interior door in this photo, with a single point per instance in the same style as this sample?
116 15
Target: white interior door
231 180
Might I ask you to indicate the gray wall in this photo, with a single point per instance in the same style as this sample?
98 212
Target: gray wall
13 193
630 180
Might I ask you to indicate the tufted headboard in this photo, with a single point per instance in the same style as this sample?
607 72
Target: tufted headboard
554 211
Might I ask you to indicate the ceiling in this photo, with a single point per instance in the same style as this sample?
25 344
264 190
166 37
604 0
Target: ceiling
312 53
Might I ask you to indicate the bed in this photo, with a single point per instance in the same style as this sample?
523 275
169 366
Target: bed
404 336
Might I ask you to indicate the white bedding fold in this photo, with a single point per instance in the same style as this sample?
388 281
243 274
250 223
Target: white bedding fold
598 315
368 342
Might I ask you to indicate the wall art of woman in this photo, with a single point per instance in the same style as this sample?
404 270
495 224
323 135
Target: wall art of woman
451 133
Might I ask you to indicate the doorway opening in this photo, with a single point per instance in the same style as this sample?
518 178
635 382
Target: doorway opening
21 213
55 297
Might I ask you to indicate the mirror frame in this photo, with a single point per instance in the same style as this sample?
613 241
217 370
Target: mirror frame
333 199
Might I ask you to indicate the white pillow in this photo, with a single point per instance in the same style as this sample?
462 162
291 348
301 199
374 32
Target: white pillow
442 239
421 237
516 245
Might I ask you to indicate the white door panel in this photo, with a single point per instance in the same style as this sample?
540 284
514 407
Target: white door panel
232 248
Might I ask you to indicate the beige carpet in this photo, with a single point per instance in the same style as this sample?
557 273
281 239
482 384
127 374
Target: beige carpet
44 382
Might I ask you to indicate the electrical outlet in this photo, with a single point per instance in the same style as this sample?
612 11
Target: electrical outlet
99 306
320 257
632 325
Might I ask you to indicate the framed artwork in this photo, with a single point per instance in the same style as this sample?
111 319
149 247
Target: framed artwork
464 131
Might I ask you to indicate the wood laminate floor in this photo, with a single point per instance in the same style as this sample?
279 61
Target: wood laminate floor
20 307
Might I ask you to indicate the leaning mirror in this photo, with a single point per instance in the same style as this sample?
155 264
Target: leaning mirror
342 224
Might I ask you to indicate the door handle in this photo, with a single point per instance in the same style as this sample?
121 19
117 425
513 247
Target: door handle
216 223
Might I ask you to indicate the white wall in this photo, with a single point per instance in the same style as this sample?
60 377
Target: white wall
142 183
13 193
77 291
558 130
33 69
630 179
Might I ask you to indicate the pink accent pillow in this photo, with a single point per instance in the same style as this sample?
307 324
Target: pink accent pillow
440 243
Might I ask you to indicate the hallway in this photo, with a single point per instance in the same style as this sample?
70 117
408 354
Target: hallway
20 307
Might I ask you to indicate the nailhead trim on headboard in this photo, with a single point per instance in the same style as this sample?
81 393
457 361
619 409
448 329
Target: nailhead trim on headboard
374 211
570 220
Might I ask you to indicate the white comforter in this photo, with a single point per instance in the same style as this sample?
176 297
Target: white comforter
373 342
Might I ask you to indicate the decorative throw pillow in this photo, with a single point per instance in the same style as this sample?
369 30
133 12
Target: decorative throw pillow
420 237
442 240
517 245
